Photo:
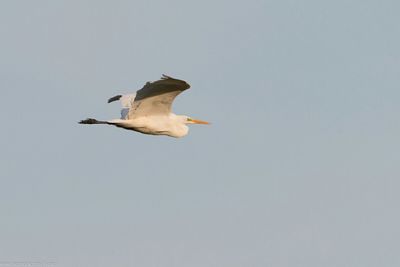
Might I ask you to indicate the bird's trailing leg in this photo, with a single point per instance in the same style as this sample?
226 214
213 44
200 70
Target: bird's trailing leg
92 121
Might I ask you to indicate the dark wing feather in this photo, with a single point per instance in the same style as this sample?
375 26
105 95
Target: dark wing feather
157 97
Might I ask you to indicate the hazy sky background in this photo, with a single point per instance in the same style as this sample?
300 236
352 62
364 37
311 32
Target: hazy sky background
299 168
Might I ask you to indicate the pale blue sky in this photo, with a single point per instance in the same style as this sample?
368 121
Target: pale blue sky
299 168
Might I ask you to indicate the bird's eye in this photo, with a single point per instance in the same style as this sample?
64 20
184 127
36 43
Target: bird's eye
189 119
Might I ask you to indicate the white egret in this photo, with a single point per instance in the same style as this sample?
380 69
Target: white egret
149 110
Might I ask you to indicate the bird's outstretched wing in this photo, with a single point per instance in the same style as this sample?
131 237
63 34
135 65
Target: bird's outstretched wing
155 98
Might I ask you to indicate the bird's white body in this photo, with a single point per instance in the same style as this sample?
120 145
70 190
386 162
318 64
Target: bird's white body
149 110
170 125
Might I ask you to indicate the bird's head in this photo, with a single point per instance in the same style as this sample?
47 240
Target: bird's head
189 120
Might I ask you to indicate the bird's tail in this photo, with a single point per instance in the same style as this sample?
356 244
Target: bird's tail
93 121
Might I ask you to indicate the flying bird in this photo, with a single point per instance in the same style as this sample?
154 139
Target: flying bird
148 111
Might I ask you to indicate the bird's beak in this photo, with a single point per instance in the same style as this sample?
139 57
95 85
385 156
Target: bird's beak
199 121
